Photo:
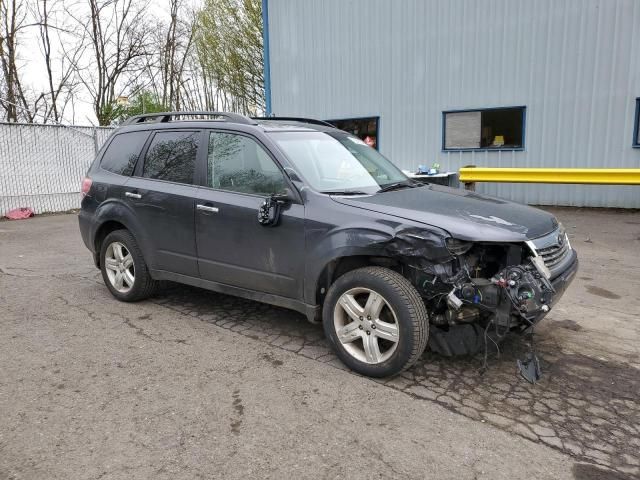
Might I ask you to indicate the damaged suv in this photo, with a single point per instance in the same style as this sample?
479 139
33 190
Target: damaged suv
296 213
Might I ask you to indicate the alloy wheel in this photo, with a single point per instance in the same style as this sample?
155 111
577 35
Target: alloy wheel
366 325
119 266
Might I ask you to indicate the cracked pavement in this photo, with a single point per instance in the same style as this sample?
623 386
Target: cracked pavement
194 384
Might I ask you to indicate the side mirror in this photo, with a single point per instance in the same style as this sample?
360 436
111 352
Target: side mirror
286 196
269 211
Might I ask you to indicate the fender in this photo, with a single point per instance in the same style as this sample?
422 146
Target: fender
384 239
118 211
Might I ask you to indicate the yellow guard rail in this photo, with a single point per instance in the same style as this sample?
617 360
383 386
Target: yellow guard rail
589 176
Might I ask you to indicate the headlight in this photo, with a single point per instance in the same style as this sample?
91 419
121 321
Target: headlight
458 247
562 233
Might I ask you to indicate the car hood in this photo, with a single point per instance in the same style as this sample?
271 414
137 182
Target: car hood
464 214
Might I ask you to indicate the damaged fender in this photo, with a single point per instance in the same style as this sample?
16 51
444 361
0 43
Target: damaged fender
423 248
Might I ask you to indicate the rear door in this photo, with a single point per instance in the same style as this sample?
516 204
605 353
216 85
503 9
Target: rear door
162 194
233 247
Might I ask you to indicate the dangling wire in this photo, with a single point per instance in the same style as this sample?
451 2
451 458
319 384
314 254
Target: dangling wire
485 361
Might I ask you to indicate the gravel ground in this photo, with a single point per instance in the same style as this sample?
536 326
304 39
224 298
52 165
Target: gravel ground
194 384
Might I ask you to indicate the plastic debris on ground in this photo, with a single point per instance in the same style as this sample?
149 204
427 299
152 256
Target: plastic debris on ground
20 213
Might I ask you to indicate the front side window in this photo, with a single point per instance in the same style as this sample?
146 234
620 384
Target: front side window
239 164
493 128
123 151
338 162
172 157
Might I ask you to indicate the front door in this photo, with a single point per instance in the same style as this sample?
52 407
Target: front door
162 194
233 247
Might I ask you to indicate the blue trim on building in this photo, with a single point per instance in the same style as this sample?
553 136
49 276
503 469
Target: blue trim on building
265 57
486 149
636 126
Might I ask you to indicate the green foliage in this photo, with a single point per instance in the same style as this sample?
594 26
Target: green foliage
143 102
229 49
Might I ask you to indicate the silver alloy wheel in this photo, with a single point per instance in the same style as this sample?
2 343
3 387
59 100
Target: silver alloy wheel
119 266
366 325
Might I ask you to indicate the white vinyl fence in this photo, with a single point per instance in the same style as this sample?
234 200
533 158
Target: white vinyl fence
42 166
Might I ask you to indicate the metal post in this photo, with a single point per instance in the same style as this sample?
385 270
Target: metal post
95 141
470 185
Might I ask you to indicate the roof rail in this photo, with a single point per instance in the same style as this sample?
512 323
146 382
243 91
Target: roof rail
297 119
165 117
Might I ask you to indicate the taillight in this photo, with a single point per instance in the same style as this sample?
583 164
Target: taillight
86 186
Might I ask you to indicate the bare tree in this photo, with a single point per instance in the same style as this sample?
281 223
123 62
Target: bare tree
171 49
13 15
29 101
118 35
102 49
11 19
61 81
168 55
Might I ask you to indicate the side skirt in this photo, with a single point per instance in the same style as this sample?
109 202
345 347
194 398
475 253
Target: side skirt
310 311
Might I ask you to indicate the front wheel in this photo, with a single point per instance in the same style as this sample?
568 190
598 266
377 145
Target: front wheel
376 321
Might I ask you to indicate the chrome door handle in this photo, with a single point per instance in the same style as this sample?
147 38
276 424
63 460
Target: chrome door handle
206 208
133 195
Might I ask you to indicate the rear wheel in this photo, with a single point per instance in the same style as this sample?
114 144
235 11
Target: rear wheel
123 267
376 321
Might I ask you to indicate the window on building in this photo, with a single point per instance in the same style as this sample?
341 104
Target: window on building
238 164
492 128
123 151
636 130
172 157
364 128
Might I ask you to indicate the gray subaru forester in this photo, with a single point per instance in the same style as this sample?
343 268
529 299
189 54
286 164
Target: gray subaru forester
296 213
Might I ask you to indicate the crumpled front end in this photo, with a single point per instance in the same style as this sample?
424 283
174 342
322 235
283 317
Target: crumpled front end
477 291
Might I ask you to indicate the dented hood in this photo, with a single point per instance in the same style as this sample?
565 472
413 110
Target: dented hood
464 214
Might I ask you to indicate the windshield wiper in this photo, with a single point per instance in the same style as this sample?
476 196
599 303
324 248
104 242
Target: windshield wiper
344 192
396 186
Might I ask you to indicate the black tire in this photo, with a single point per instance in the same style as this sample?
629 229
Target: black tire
402 298
143 285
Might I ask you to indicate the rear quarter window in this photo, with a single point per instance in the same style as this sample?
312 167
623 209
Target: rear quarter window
123 152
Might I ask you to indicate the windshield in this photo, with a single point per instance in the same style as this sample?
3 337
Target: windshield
338 162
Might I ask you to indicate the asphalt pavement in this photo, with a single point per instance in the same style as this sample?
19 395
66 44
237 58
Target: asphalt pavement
194 384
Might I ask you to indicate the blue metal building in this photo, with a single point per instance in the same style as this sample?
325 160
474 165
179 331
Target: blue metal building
496 83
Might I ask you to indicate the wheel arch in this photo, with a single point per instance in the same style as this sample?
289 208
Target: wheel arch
114 216
338 266
103 230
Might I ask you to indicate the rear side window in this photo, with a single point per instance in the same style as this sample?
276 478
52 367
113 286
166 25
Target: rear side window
123 151
172 157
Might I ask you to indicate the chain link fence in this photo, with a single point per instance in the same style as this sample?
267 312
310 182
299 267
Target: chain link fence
42 166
